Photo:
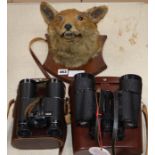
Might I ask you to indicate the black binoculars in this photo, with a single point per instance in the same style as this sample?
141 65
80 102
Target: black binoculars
45 111
102 112
119 109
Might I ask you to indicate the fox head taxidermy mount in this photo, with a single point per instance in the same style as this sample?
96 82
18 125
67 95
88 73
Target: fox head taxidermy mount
73 35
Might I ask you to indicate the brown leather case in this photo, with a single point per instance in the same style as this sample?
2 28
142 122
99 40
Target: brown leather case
40 139
130 145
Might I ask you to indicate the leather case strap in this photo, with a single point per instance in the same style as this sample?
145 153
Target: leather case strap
35 57
115 125
145 113
11 103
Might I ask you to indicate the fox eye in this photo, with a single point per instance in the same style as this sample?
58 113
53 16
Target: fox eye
80 18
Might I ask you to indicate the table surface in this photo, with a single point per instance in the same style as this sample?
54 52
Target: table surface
125 50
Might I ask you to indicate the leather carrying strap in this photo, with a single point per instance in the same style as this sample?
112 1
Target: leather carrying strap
115 125
35 57
145 113
11 102
67 110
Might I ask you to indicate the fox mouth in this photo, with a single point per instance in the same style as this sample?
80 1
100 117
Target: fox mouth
69 35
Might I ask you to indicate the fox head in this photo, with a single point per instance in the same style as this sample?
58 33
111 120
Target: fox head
72 24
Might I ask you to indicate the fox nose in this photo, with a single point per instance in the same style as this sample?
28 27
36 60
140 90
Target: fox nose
68 26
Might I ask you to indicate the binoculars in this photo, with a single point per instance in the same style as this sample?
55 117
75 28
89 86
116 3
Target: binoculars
104 113
101 113
128 98
44 112
39 117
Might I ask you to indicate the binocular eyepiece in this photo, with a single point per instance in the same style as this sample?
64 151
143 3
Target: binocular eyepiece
41 112
55 88
85 100
130 98
27 88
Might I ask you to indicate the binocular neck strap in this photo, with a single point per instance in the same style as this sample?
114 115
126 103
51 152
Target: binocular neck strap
115 124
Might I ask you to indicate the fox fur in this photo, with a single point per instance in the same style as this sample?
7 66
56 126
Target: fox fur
73 35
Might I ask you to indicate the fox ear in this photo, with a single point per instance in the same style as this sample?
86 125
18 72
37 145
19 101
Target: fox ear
97 13
47 11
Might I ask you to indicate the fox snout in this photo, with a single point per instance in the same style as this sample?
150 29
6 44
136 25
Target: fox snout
70 32
68 26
